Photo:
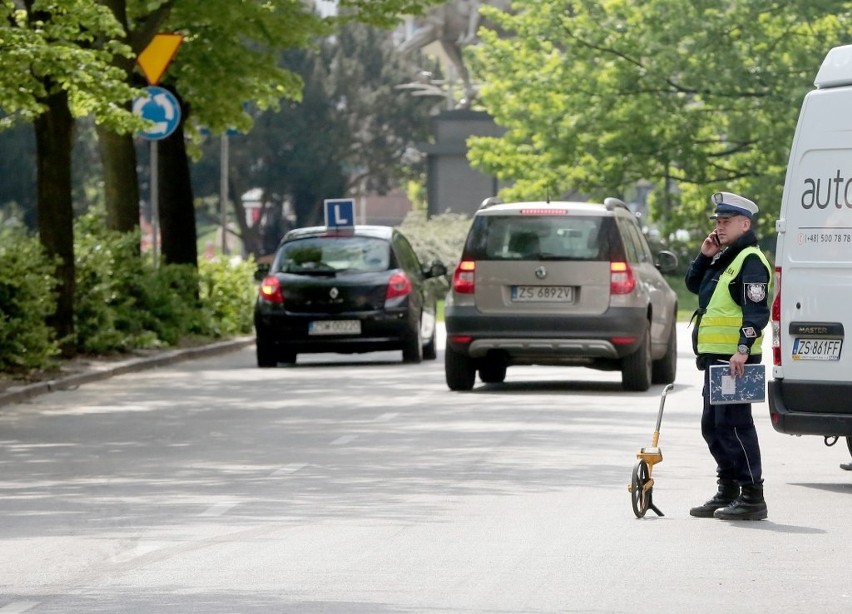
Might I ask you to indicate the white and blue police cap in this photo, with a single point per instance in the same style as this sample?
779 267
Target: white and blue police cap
729 205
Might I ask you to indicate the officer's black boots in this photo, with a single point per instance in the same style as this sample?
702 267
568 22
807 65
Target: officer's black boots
725 496
748 506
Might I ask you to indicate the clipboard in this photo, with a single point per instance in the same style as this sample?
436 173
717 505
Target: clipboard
726 389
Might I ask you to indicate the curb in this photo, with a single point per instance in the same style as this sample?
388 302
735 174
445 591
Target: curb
102 371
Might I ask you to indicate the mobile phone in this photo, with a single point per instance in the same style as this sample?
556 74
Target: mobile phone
715 238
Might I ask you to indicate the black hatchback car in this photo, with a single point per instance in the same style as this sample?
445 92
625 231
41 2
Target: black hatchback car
360 289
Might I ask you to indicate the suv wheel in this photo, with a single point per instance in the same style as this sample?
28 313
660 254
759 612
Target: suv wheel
665 369
636 368
492 371
459 370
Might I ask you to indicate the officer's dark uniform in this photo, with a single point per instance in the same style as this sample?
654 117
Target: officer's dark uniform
729 429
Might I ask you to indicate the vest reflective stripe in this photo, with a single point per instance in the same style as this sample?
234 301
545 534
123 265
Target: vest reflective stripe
719 329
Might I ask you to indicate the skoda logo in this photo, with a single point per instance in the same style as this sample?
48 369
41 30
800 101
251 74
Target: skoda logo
541 272
333 293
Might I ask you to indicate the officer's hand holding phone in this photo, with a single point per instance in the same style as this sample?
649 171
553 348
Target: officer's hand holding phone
711 245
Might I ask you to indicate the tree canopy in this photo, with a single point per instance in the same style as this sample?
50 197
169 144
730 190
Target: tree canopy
693 97
70 46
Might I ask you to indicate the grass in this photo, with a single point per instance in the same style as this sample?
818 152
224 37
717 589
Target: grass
687 302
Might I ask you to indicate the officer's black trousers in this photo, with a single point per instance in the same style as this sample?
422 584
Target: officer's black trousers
730 434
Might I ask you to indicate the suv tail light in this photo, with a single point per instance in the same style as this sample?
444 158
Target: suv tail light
775 320
398 285
270 290
621 280
463 277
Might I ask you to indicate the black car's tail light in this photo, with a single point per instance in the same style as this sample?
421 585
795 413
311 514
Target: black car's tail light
621 279
270 290
464 277
398 285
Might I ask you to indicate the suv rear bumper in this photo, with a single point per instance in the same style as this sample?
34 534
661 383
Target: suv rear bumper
542 335
811 408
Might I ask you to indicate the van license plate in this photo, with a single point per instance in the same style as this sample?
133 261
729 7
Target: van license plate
335 327
816 349
552 294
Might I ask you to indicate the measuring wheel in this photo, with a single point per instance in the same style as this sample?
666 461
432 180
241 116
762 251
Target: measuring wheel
641 487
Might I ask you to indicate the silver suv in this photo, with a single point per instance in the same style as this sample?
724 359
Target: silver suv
560 283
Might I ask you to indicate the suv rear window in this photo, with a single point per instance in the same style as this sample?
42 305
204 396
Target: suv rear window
558 237
318 254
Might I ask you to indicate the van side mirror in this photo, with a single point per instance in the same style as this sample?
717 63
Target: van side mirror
666 262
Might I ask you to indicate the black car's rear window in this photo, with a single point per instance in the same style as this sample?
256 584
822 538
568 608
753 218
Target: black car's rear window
558 237
319 254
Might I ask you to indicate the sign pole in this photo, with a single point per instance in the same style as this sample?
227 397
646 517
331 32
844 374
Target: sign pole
155 201
162 108
223 190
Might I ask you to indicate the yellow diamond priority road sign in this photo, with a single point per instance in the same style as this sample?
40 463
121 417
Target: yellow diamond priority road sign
156 57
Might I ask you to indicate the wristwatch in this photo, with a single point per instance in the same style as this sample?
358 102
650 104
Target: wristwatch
742 348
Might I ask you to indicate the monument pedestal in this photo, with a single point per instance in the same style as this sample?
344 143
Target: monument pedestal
451 183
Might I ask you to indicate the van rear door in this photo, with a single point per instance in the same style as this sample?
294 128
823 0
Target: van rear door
812 312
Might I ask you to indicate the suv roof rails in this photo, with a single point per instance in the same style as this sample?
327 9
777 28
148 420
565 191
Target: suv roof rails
611 203
491 200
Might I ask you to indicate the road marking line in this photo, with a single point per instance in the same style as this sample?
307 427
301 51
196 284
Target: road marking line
341 441
386 417
142 548
17 607
219 509
288 469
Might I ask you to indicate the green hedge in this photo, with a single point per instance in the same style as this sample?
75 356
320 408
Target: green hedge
122 302
27 299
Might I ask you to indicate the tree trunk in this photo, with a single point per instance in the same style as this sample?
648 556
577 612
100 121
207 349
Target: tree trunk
54 130
177 209
121 186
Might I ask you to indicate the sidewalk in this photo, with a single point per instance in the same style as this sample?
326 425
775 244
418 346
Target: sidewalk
83 371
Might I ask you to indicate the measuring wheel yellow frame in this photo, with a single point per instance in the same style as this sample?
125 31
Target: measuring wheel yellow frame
641 486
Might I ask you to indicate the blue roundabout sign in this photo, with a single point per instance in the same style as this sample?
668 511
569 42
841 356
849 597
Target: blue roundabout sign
161 107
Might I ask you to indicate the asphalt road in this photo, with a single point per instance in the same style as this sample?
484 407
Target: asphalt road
360 484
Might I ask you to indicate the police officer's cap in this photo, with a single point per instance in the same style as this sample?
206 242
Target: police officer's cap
729 205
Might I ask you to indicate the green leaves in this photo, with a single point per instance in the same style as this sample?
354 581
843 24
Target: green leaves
57 46
695 96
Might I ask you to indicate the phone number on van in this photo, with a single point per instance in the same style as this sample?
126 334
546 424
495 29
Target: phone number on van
825 237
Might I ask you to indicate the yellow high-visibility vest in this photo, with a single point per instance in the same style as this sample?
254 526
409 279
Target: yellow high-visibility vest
719 329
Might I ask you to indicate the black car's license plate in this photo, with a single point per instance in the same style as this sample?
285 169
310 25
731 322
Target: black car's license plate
335 327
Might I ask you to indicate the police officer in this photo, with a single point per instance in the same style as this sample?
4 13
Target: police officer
731 278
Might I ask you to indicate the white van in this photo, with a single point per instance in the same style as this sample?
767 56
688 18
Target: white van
811 389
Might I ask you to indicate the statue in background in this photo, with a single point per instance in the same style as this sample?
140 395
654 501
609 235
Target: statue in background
453 25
